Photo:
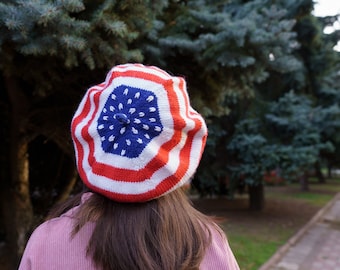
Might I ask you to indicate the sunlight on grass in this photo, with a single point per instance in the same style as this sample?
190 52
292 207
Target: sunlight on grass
318 194
315 199
254 247
251 252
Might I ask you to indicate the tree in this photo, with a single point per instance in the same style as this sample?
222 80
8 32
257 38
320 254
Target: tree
318 60
237 56
253 157
50 52
329 97
328 93
224 50
297 125
211 174
229 45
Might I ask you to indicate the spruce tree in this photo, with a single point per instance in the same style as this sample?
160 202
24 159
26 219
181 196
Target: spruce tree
50 52
298 126
224 50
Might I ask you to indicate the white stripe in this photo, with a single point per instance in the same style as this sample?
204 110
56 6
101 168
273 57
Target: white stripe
140 162
79 127
144 69
165 118
150 184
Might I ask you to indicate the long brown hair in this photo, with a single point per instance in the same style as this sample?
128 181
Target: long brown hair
165 233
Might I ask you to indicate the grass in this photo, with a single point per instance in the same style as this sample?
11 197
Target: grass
255 237
318 195
252 251
309 197
312 198
252 247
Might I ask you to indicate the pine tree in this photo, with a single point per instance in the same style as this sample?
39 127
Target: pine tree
252 157
298 127
224 50
310 144
50 52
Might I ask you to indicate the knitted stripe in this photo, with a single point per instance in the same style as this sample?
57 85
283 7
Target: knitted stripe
167 146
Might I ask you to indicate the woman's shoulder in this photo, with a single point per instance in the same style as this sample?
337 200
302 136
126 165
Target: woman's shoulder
52 243
53 228
219 254
57 226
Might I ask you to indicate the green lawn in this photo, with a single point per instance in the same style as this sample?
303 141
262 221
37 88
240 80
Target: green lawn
255 237
252 251
252 247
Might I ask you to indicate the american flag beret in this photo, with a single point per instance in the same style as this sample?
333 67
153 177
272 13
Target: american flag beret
135 135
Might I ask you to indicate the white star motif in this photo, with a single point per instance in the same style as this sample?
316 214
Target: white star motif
150 98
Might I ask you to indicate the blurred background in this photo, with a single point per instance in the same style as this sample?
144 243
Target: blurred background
264 74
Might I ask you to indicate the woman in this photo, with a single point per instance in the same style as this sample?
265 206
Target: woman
137 143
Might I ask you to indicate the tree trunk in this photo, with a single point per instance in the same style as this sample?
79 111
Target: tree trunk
318 172
16 203
304 182
256 197
329 170
17 206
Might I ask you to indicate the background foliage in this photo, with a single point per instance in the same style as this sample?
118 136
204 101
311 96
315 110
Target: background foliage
263 74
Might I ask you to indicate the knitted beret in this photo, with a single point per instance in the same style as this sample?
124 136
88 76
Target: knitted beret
136 137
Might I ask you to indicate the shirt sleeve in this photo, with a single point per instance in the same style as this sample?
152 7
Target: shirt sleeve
219 255
52 247
26 260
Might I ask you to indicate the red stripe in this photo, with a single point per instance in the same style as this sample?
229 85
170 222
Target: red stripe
157 162
168 183
76 121
171 181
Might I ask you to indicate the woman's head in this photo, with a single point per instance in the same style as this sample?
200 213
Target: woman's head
136 136
138 142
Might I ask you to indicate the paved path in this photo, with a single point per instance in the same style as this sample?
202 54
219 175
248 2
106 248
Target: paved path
316 246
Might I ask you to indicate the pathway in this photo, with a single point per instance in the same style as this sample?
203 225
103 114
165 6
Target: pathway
316 246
